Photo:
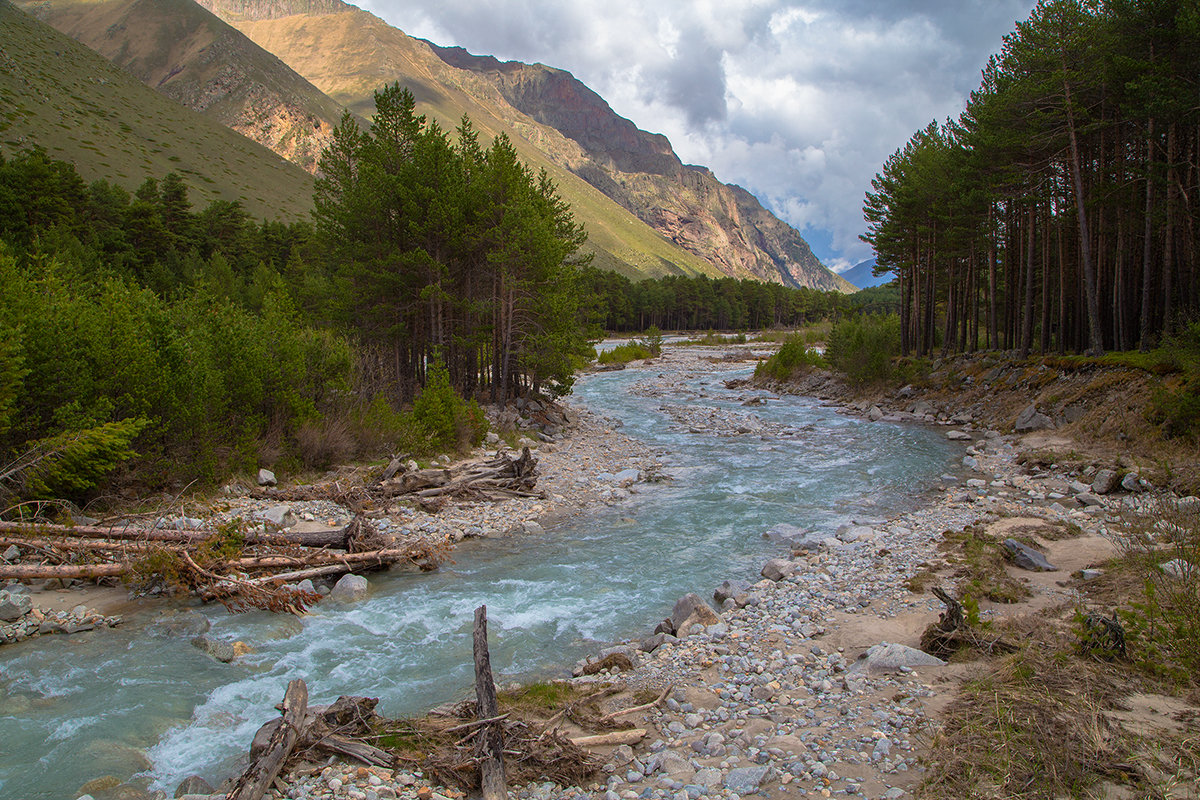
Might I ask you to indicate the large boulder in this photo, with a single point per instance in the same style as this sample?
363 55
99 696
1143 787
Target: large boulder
746 780
266 478
349 589
1032 420
1026 557
689 606
280 516
777 569
13 606
1105 481
193 784
885 657
796 538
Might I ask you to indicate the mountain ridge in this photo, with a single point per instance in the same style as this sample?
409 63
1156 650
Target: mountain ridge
67 99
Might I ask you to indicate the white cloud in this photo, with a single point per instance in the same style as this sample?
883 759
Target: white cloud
799 101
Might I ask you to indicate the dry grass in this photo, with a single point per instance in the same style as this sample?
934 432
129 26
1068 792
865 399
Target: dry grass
981 566
1041 723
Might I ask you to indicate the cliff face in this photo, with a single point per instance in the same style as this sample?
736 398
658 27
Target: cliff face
194 58
687 204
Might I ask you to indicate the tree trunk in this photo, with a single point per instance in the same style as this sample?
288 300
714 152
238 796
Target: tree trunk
1092 293
255 781
490 750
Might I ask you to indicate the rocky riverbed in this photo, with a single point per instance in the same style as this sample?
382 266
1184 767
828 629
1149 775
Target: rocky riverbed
805 683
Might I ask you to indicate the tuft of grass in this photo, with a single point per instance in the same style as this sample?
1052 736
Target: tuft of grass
794 357
982 566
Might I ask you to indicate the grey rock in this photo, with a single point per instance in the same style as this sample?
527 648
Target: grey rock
221 651
970 462
691 604
1026 557
746 780
1178 568
14 606
1105 481
777 569
883 749
958 436
885 657
12 553
193 784
730 590
1079 487
349 589
875 414
492 438
1090 574
281 516
707 777
655 641
626 478
532 528
266 478
306 585
1088 499
1032 420
1131 482
921 408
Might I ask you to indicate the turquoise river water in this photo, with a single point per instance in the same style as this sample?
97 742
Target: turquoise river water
73 708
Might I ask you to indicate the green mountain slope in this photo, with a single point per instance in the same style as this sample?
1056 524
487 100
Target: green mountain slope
186 53
58 94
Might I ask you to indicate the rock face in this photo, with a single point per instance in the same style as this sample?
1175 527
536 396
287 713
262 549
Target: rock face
722 223
691 606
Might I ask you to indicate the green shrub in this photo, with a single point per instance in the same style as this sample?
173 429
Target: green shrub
795 355
652 341
1176 404
624 353
447 421
864 348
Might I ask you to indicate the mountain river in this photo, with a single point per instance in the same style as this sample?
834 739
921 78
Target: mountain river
115 701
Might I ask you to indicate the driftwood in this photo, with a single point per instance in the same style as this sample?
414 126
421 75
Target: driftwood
951 633
644 707
631 736
263 770
493 478
333 538
490 742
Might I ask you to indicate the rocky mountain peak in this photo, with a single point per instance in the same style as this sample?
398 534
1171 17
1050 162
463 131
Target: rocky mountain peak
272 9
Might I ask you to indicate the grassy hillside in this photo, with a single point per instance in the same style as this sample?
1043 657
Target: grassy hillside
58 94
183 51
350 54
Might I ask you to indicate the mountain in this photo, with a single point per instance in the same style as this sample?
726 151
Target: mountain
723 223
191 56
59 95
554 119
348 54
863 276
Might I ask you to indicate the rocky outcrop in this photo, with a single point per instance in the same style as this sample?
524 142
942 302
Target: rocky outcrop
722 223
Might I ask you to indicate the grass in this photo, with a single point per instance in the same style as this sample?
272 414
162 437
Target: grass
624 353
982 567
83 91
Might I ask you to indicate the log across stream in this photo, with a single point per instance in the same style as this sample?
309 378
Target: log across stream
82 706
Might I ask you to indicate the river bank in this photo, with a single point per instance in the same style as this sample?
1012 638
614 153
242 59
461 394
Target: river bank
774 698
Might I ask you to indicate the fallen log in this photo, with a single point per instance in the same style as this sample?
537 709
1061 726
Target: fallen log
645 707
490 744
23 572
631 736
333 538
261 773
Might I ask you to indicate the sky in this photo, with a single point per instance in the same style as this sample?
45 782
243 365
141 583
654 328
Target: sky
798 101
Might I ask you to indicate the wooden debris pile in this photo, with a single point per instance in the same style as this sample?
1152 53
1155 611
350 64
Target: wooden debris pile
498 478
241 569
479 746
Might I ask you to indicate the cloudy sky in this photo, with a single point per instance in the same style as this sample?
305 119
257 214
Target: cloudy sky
799 101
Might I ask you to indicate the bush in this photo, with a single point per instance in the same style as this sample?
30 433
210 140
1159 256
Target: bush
447 421
864 348
795 355
624 353
1176 405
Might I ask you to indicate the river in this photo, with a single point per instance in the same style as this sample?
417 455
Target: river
117 701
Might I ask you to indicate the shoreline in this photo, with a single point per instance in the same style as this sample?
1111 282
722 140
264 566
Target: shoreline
724 668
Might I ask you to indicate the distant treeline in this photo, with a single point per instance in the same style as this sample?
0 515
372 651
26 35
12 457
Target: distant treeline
620 305
1060 210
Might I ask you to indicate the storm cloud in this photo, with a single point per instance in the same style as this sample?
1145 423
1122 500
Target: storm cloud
799 102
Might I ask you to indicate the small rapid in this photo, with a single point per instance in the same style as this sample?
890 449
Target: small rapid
119 701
